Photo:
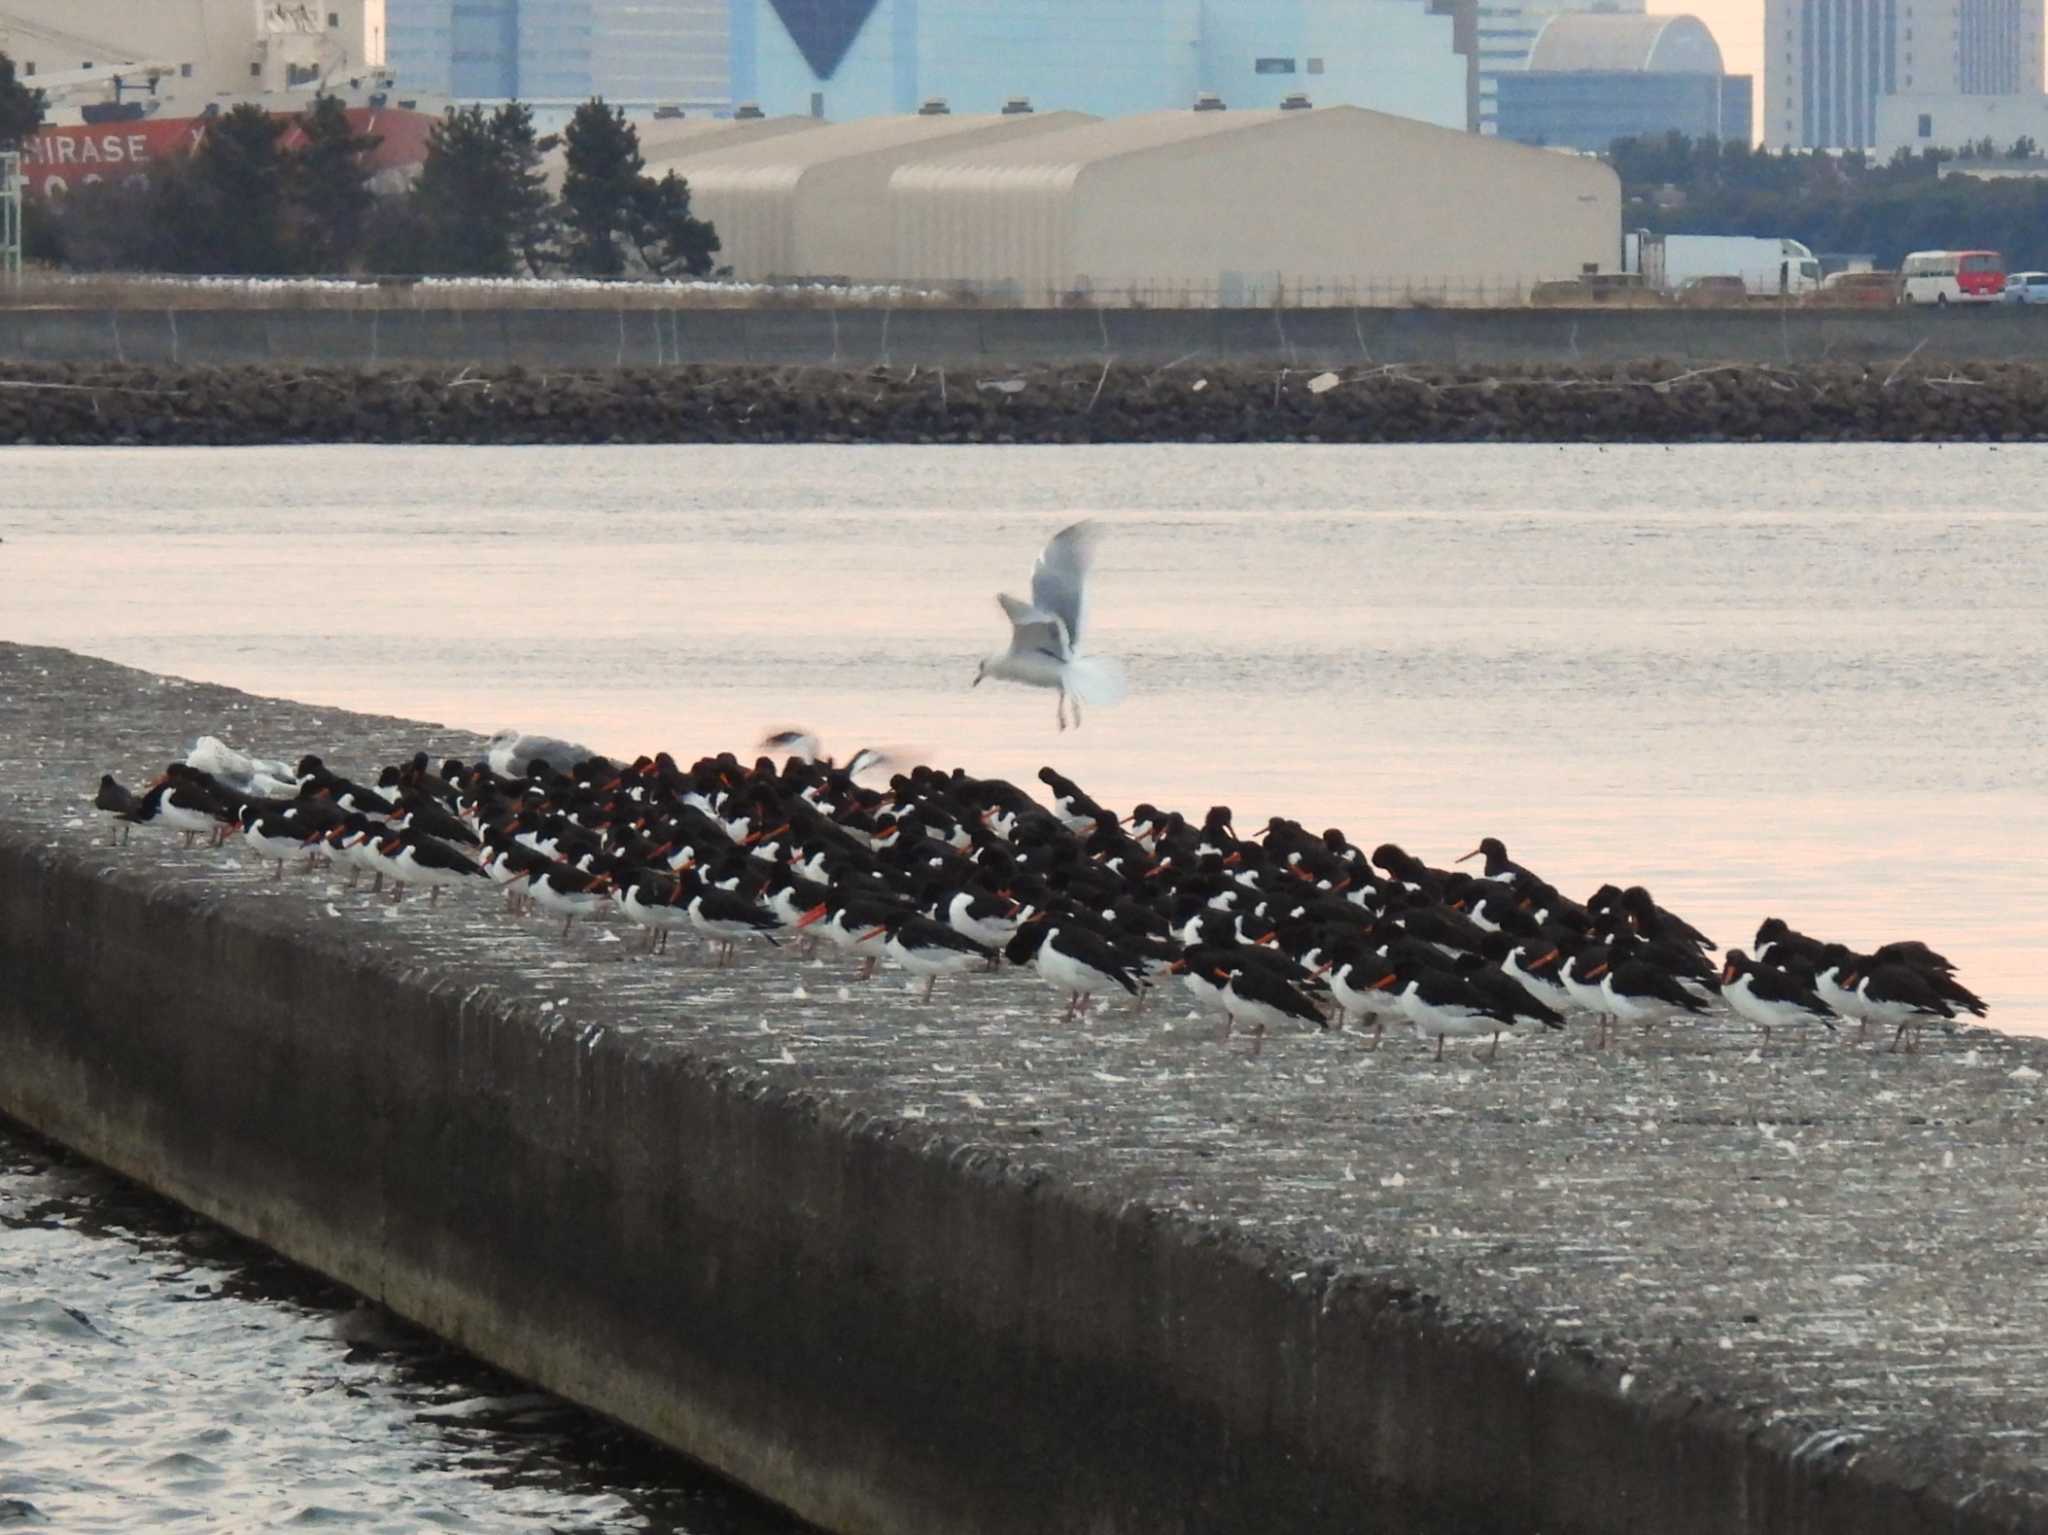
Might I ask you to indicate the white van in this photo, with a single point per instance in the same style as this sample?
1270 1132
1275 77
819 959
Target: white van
1952 277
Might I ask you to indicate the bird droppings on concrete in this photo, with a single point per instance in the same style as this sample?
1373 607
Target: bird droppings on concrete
1812 1234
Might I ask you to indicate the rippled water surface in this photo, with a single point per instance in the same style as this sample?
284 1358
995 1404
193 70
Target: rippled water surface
156 1373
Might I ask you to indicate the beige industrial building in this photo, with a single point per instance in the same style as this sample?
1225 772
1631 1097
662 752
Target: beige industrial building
816 204
1235 206
667 144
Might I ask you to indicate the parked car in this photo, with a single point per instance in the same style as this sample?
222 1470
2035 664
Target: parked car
1878 290
1713 293
2026 288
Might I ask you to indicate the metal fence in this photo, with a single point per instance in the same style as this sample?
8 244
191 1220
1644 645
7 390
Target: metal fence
10 216
156 291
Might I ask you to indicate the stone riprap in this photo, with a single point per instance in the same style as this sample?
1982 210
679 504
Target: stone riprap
962 1266
1648 401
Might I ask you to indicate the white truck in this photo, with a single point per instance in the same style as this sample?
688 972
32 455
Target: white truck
1768 267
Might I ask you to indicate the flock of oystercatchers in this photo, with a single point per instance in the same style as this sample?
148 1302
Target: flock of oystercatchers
942 873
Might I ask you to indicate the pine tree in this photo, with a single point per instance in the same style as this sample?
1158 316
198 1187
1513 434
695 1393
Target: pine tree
602 201
529 208
669 238
479 207
330 188
228 212
21 109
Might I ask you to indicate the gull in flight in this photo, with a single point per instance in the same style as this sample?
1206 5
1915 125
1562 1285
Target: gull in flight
1045 633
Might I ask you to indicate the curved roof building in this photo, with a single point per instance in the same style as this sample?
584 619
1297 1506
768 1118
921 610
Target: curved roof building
815 204
1236 204
1667 45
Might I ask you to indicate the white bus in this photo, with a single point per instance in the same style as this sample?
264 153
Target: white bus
1952 277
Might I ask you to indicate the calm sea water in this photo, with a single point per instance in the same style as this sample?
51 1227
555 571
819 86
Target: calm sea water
1809 682
1796 681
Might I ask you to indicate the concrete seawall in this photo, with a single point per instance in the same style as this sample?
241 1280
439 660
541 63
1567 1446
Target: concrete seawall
827 336
960 1267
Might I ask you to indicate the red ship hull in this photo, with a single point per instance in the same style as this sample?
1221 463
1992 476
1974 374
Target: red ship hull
58 159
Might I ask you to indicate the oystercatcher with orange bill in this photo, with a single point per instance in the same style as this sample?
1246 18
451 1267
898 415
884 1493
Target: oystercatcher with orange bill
930 949
568 893
1769 997
417 859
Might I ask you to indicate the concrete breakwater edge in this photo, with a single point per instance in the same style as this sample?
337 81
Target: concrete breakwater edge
1193 401
961 1266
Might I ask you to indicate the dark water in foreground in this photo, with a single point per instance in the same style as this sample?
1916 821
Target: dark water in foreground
157 1372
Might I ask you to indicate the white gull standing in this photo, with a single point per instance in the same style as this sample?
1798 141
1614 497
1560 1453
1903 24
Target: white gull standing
512 753
1046 632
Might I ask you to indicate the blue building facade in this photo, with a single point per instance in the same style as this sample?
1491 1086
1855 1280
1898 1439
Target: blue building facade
643 52
857 58
847 59
1590 108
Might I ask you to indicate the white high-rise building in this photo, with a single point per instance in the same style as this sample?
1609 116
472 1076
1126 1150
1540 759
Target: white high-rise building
1827 62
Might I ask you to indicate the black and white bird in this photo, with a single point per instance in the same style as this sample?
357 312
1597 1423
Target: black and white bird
1768 997
724 917
275 835
568 893
417 859
1901 996
931 949
1259 1002
1637 990
1076 961
1045 649
1443 1005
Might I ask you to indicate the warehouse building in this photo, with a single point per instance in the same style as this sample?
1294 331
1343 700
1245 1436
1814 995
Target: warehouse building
815 204
666 144
1239 207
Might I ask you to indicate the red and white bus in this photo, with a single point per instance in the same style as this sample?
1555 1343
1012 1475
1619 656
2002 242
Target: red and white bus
1952 277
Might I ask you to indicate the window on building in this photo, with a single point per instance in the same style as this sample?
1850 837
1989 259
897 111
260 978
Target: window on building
1315 66
255 69
1273 66
1927 125
334 20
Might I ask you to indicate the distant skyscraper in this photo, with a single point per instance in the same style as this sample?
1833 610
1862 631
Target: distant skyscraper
1998 46
1826 62
638 52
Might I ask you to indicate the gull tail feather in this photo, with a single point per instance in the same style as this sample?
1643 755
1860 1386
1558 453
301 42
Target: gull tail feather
1097 681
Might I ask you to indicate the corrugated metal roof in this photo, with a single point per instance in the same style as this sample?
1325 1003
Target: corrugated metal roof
662 141
1573 40
816 203
1197 199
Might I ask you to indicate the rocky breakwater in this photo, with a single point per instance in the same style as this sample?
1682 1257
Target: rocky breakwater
1649 401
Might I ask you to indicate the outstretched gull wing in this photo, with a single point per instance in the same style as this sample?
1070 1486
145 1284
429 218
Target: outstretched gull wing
1059 581
1033 630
